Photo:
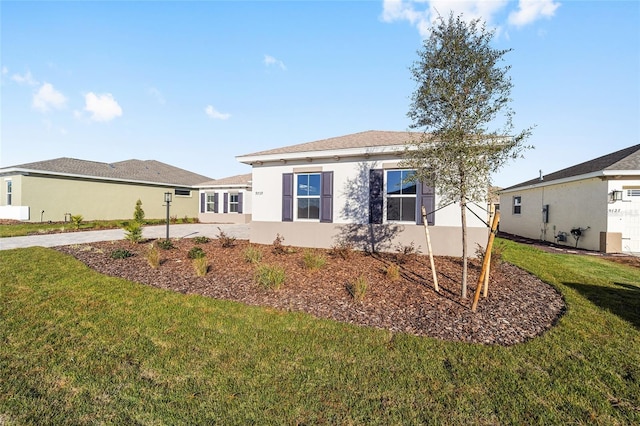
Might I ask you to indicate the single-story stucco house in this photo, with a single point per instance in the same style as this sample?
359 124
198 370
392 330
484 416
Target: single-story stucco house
53 190
351 189
226 200
593 205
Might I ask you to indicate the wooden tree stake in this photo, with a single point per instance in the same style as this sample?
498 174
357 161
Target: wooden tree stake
426 233
487 259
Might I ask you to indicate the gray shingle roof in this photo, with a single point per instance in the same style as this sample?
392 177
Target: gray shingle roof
366 139
128 170
244 179
626 159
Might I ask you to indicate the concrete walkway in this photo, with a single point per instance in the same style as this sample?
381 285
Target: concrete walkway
240 231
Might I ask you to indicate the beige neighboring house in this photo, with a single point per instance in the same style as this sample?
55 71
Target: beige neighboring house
52 190
351 189
226 200
593 205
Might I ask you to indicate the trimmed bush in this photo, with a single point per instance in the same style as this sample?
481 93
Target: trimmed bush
121 254
165 244
196 253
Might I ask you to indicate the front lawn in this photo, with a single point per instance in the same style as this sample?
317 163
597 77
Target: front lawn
79 347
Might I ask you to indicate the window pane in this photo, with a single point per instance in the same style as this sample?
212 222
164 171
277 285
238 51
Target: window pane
393 208
314 208
408 187
233 198
394 180
303 208
408 211
314 184
233 208
303 185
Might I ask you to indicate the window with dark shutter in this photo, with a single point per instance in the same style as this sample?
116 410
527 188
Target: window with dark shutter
215 203
326 197
287 197
202 202
225 201
376 195
426 198
240 202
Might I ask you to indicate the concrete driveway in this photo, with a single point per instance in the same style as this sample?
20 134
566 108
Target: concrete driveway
240 231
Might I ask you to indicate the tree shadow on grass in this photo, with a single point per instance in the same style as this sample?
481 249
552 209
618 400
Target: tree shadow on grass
622 300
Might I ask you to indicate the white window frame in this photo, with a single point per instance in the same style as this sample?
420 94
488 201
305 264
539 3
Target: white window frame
408 196
298 197
209 202
233 204
9 188
516 204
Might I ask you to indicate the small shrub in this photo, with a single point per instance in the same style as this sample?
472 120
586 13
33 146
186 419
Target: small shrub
358 289
165 244
393 272
201 239
279 248
77 220
121 254
343 249
138 213
496 255
406 253
133 232
312 260
173 219
225 240
252 255
201 266
270 277
196 253
153 256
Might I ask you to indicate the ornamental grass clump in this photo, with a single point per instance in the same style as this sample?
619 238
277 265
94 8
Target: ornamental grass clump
270 277
392 272
153 256
201 266
252 255
312 260
358 289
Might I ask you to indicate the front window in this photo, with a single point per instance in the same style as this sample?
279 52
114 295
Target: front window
401 196
9 190
517 205
211 203
233 203
308 195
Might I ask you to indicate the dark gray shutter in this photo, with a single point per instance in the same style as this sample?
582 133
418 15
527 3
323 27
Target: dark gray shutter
425 197
376 195
203 201
215 202
326 197
287 197
240 202
225 206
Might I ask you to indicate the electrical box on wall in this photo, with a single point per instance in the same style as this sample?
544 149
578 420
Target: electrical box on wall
545 213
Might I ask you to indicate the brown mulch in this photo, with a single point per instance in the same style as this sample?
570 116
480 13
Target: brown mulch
518 308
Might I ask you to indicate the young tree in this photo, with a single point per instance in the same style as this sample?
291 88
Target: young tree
461 91
138 213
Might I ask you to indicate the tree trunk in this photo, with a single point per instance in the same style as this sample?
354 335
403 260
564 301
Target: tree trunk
463 216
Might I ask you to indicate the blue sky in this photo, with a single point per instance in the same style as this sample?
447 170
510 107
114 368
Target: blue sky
194 84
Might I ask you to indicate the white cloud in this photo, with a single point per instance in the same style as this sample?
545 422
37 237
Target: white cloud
423 13
271 61
531 10
48 97
27 79
213 113
154 92
102 107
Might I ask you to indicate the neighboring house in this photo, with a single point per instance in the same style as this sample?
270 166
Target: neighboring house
53 190
351 189
594 205
226 200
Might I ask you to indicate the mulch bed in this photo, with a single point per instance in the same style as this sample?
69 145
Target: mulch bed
518 308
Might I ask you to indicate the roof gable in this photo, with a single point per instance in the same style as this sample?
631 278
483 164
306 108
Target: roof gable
129 170
627 159
237 180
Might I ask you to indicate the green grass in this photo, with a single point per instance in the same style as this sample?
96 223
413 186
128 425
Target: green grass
28 228
77 347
